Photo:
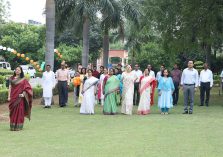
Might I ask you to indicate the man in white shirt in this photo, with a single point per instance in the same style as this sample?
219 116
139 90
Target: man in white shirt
189 83
205 83
48 83
138 74
221 80
151 72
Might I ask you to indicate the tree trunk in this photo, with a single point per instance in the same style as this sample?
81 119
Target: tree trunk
133 57
106 47
85 53
50 32
208 54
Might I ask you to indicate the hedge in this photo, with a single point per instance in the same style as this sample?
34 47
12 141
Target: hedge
3 96
2 79
37 93
4 72
39 74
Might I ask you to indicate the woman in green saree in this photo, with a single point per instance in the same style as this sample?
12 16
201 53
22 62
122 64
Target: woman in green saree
111 93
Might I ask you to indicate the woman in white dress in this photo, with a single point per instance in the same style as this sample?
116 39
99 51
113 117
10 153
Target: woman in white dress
146 87
88 92
128 79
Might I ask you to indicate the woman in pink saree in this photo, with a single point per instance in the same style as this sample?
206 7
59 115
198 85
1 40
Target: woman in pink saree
20 100
146 87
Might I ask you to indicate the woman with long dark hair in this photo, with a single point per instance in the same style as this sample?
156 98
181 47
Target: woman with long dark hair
20 100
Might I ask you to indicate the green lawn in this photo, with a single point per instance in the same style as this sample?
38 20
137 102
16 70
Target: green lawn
63 132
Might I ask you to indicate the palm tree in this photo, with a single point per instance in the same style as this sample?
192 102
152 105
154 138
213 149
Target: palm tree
50 32
76 13
115 13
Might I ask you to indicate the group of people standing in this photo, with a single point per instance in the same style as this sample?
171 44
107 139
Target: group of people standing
112 87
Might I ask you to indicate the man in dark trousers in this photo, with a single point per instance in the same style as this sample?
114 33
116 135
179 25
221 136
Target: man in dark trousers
176 76
63 79
205 83
138 74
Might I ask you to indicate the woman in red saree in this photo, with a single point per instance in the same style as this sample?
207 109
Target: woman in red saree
20 100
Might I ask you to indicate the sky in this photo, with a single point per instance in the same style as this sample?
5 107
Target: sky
24 10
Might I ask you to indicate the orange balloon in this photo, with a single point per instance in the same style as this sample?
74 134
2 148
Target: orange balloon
35 63
14 52
18 54
27 58
22 55
76 81
31 61
61 56
38 66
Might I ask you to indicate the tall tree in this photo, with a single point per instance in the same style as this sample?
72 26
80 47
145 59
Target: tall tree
50 32
114 14
78 13
187 26
4 7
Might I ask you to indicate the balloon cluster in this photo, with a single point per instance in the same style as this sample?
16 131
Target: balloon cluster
58 54
22 56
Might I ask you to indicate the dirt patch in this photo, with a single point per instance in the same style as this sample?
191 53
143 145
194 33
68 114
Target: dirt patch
4 118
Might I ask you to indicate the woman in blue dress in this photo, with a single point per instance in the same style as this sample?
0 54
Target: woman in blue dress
165 90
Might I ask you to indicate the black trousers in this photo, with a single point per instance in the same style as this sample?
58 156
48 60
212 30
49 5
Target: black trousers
205 90
63 93
136 95
176 93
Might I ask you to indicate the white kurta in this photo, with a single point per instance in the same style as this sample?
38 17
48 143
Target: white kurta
48 83
87 105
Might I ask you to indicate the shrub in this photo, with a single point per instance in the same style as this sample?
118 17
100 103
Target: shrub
27 76
3 96
2 79
37 93
39 74
4 72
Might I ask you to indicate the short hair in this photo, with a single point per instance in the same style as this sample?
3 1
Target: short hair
190 61
102 67
167 71
48 65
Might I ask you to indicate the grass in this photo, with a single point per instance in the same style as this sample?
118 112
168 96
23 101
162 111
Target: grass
59 132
